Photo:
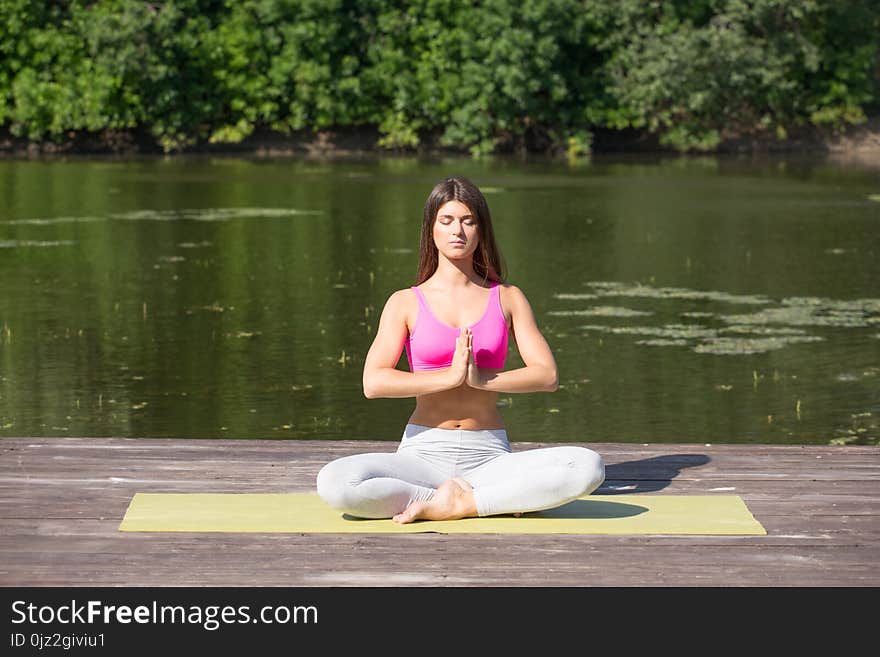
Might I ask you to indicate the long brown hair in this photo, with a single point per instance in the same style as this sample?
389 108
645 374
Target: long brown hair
488 262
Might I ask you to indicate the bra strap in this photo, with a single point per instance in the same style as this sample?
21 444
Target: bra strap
423 303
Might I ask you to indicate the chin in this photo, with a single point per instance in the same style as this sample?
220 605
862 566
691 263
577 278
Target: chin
460 256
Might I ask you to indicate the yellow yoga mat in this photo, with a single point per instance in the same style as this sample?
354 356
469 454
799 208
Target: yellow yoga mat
307 513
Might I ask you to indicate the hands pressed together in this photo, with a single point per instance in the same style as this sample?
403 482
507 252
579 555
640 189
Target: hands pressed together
464 368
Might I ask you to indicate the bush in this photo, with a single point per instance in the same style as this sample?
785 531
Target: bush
485 77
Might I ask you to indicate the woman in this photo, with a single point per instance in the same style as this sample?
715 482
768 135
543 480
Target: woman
454 459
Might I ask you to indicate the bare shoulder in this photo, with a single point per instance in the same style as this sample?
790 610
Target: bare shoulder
402 306
514 305
512 298
401 297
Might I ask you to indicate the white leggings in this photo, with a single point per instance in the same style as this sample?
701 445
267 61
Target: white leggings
382 484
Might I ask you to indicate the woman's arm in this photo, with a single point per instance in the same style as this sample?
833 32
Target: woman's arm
381 377
539 374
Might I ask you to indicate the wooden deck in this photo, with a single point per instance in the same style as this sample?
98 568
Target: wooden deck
63 499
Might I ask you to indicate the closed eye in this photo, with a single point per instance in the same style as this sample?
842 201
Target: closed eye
448 219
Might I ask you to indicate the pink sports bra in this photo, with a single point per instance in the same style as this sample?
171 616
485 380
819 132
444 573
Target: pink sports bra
431 343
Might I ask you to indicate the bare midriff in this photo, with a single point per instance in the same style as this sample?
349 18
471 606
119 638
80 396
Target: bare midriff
458 408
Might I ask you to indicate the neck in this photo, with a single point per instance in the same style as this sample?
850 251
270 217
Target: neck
456 273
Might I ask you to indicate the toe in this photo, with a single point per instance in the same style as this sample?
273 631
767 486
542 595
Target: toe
409 514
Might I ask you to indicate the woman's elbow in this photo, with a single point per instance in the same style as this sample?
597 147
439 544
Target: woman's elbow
370 391
368 387
552 382
372 385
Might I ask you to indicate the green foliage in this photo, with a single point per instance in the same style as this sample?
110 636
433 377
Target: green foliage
579 145
485 77
729 68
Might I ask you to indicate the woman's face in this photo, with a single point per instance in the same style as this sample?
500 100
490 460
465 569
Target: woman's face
455 231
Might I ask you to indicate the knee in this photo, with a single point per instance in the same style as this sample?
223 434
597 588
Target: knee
332 484
588 469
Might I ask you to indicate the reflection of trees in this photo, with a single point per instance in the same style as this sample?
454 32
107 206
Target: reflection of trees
166 324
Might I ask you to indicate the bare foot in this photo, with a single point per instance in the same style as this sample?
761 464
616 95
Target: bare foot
452 500
461 482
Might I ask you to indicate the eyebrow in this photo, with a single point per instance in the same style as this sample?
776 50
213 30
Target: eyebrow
450 216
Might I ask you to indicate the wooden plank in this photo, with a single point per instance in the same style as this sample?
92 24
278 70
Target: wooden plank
61 501
843 529
297 561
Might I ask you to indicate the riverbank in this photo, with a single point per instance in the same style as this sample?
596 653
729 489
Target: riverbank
859 143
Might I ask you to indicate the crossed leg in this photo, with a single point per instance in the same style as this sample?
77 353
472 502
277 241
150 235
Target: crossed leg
535 479
516 482
378 484
454 499
405 487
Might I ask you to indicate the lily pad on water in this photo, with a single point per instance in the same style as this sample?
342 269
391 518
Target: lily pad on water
55 220
663 342
670 331
388 250
737 346
209 214
563 295
763 330
810 311
603 311
623 290
13 244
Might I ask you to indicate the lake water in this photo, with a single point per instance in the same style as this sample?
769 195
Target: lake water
702 300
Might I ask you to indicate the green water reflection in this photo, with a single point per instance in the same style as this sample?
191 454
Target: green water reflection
686 300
